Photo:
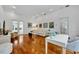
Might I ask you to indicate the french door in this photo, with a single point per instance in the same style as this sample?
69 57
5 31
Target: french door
17 27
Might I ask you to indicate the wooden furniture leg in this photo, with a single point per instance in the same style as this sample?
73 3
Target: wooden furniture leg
46 46
63 51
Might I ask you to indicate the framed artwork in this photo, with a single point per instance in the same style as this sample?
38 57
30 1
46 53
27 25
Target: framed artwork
29 25
40 25
0 25
51 24
36 25
45 25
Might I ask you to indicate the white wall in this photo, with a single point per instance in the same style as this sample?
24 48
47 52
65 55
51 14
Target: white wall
72 12
1 17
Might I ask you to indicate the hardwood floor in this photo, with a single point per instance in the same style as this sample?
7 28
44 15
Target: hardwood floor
34 45
24 44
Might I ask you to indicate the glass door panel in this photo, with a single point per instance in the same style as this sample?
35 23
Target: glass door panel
21 27
15 26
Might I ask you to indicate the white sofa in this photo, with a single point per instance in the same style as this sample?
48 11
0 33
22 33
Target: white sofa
41 32
5 44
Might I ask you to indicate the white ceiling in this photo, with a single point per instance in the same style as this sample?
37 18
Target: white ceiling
30 10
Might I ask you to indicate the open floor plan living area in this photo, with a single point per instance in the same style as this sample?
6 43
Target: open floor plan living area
39 29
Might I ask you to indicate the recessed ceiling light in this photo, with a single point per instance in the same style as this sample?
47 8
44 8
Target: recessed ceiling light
50 9
33 16
43 13
13 7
